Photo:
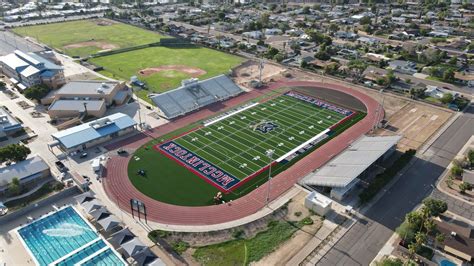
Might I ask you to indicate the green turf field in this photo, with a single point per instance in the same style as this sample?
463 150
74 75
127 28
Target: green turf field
125 65
60 35
235 146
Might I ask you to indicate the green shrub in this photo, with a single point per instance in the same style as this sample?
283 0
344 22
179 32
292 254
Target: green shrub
238 234
155 234
307 221
298 214
384 178
180 246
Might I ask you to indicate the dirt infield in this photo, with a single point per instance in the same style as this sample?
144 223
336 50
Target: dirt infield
118 186
101 45
192 71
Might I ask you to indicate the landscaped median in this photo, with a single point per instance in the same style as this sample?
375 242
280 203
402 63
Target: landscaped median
385 177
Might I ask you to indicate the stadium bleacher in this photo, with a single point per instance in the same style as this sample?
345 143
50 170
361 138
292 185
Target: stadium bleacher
194 94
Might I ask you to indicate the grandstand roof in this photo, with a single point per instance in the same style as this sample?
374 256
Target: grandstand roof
347 166
194 94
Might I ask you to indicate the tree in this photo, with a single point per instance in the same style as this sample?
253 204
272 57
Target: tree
464 186
2 84
470 156
414 219
390 262
435 207
456 171
333 27
439 239
365 21
271 52
448 75
36 92
447 98
14 187
453 61
14 152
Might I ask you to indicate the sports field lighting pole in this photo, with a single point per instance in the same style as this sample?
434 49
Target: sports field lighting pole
269 154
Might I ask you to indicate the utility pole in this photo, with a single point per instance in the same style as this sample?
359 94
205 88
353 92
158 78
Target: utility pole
85 109
269 154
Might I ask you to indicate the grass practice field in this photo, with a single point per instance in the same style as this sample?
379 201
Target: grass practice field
124 65
85 37
230 155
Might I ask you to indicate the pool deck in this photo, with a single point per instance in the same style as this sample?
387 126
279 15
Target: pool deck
12 251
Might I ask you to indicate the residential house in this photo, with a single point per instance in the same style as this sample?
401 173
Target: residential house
459 239
406 67
436 92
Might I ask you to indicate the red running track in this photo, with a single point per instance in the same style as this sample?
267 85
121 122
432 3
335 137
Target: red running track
120 190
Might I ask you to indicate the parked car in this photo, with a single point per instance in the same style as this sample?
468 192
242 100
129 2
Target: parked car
61 167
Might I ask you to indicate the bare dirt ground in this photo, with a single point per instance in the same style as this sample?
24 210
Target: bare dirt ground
299 239
250 71
101 45
416 121
192 71
104 22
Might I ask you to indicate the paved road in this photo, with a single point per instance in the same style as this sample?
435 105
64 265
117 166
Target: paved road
363 241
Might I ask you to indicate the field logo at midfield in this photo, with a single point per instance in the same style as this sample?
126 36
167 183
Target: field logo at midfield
198 165
264 126
319 103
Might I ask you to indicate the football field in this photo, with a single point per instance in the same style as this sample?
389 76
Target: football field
230 150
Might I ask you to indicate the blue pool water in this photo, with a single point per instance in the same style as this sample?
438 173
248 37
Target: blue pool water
447 263
64 234
107 257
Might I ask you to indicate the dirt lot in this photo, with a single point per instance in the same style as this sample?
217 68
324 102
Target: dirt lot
416 121
289 249
250 71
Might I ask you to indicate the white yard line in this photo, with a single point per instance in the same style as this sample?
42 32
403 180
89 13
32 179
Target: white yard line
229 115
302 145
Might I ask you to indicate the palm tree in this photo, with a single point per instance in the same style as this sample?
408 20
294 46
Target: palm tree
439 239
14 187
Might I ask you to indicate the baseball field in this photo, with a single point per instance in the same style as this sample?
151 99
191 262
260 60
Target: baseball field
85 37
163 68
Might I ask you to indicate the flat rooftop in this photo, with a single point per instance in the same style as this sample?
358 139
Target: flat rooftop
87 87
7 121
76 105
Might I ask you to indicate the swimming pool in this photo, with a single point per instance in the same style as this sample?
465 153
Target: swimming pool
446 263
65 238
